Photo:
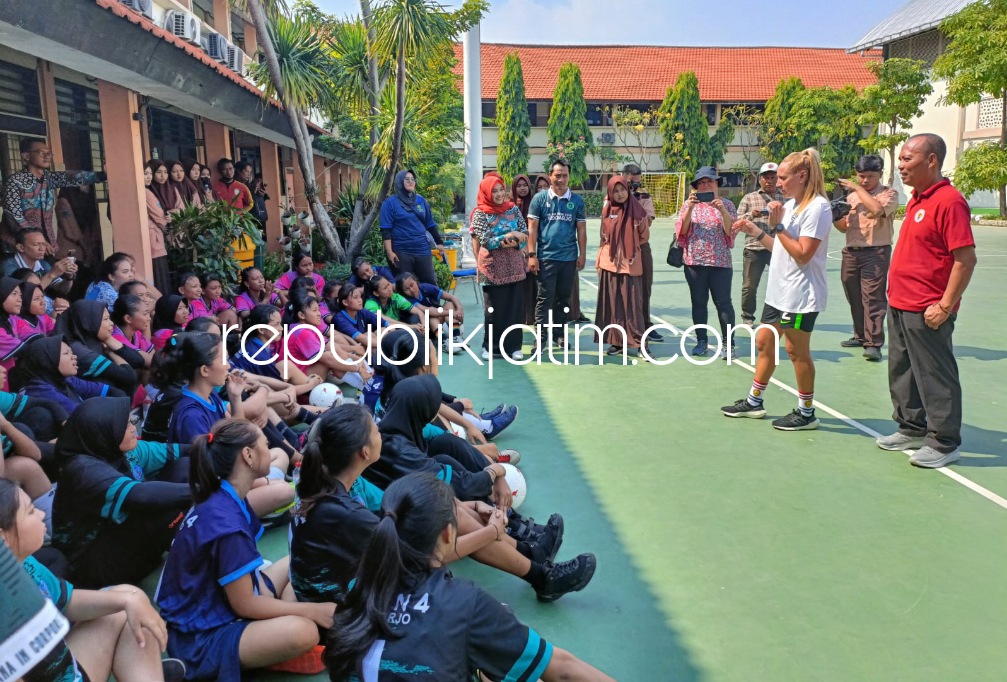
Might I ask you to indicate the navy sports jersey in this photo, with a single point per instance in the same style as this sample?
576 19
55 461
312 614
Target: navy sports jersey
326 545
430 296
194 415
450 629
352 328
214 547
255 349
155 426
59 665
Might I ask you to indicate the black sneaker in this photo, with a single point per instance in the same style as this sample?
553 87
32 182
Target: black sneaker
494 412
852 342
700 348
172 669
743 408
654 337
795 421
544 548
872 353
614 350
569 576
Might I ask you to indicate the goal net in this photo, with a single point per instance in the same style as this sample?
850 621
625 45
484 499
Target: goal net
668 191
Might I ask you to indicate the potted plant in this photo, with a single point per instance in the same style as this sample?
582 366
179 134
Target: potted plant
217 238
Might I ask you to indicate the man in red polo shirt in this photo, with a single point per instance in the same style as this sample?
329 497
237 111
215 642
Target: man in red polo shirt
932 264
226 188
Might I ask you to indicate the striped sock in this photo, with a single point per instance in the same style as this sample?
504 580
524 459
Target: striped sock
755 395
805 403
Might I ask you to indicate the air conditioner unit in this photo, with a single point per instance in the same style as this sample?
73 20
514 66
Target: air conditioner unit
183 25
236 60
607 138
216 46
144 7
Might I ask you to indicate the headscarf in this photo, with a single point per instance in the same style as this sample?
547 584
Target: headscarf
407 199
619 230
485 203
7 287
95 428
27 291
411 406
548 183
164 312
522 204
82 323
39 361
163 192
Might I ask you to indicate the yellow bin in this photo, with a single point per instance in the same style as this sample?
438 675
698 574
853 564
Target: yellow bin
452 255
244 251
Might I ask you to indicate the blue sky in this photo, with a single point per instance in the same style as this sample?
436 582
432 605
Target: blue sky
673 22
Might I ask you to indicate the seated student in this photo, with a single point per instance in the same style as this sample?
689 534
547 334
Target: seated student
33 309
13 330
254 290
21 461
47 369
352 320
115 513
325 301
315 355
131 317
335 518
43 417
253 356
363 271
225 611
301 265
432 298
53 306
87 328
191 290
115 630
115 271
453 629
213 299
137 288
380 298
171 314
308 286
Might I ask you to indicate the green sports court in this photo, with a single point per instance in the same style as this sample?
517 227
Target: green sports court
728 550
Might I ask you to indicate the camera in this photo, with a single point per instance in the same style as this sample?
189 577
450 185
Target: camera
840 209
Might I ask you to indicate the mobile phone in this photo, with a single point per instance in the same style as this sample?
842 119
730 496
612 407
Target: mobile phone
762 211
705 197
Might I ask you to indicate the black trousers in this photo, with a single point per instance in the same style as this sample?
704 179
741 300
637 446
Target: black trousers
508 310
706 281
923 380
865 277
755 263
421 266
555 283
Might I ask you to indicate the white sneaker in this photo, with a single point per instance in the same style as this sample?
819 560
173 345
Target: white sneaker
928 458
517 355
486 354
899 441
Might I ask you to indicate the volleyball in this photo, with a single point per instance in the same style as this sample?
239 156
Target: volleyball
326 395
517 484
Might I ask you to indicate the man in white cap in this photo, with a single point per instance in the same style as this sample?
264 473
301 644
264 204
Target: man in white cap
754 206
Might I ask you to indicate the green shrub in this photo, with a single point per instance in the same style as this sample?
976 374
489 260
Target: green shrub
274 265
445 280
593 202
335 271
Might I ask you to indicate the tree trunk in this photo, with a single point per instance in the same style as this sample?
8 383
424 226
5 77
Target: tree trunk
1003 144
299 128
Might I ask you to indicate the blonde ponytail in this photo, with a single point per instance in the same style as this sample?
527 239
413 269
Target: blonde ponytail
809 162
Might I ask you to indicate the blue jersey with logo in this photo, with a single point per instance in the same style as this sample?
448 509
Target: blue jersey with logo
557 224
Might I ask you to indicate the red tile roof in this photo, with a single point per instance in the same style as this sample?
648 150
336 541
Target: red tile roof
635 73
194 51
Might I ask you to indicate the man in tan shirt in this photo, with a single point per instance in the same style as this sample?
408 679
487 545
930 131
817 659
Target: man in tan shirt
868 250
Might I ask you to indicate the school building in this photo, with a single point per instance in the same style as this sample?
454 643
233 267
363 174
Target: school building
113 83
639 77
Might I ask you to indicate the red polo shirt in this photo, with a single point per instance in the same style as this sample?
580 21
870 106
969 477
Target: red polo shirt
236 194
938 221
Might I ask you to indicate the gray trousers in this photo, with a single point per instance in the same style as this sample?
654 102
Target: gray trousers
755 263
923 380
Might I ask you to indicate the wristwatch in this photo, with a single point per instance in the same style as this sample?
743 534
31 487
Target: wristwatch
777 228
533 254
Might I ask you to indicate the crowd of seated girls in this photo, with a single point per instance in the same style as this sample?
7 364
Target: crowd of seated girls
133 428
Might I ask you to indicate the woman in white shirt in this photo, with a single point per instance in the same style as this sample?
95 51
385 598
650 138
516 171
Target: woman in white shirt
797 288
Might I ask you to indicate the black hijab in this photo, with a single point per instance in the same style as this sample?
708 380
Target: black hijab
82 323
407 199
412 405
27 291
7 287
39 361
96 428
164 312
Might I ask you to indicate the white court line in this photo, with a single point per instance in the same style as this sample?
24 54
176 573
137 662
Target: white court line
866 430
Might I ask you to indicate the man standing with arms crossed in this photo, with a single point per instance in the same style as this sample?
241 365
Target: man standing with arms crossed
932 264
557 246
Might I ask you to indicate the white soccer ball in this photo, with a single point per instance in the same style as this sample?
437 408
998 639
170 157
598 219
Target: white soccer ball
517 484
326 395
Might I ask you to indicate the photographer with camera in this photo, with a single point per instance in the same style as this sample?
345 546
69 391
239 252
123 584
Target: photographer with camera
868 250
704 231
797 289
754 207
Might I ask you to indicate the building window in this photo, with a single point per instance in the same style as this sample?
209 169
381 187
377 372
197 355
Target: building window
595 115
925 46
19 91
171 136
710 110
533 113
490 111
80 130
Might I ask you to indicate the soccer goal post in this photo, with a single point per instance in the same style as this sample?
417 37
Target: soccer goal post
668 191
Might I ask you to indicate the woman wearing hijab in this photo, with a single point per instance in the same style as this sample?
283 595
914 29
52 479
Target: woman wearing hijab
171 314
118 500
501 231
14 331
406 221
624 227
159 202
88 330
33 309
521 193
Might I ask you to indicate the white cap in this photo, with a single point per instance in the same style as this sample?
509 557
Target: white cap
768 168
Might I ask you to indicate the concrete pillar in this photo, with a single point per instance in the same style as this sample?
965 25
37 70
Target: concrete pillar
473 98
47 87
124 163
217 143
222 18
251 40
270 155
